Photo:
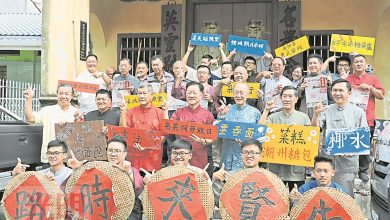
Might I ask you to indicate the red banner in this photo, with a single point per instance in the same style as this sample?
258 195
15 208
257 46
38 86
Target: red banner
92 196
255 197
323 205
176 198
29 200
146 138
81 87
189 128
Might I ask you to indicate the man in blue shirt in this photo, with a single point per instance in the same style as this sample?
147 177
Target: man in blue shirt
323 173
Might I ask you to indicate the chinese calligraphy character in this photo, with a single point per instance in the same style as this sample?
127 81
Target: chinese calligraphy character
288 18
180 190
223 129
236 130
85 192
284 139
171 20
357 141
322 212
249 133
250 195
22 199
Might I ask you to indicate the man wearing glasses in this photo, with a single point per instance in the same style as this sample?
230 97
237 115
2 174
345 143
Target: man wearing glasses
250 155
56 153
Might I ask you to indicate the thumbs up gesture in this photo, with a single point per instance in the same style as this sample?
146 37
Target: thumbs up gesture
221 174
147 175
295 194
19 168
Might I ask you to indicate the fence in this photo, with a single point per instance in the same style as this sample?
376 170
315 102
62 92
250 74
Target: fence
12 98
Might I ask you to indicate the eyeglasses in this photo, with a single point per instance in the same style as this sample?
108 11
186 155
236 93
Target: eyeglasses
181 154
55 153
252 153
116 151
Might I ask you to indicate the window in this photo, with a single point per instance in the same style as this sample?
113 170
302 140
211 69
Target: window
3 72
10 52
319 42
128 45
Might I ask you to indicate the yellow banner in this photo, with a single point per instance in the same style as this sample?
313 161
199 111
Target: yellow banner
348 44
291 144
227 91
157 100
293 48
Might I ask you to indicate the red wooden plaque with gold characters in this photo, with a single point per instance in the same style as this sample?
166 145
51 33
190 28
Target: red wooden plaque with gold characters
254 194
326 203
32 195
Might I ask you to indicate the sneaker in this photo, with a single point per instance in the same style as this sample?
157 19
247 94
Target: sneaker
364 177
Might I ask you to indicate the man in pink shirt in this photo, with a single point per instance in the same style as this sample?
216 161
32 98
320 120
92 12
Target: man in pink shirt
362 80
201 148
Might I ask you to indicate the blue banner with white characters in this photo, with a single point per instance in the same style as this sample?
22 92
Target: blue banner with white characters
247 45
209 40
354 141
241 131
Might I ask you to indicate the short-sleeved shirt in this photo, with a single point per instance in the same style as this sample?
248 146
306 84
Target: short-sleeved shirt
109 116
152 77
350 116
86 100
133 82
270 84
288 172
148 118
372 81
201 116
48 116
231 150
61 175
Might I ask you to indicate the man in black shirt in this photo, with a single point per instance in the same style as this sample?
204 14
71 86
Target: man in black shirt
104 112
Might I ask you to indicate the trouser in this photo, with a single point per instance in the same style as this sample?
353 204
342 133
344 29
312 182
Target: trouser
346 181
365 160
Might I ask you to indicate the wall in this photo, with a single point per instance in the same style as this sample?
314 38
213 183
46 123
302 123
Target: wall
122 17
26 67
365 18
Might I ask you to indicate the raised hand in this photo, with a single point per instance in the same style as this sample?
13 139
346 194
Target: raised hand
221 174
19 168
73 162
29 92
295 194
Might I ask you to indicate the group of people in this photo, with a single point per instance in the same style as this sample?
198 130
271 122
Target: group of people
217 159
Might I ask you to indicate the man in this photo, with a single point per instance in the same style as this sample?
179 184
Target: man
250 65
314 62
288 115
343 65
240 75
364 81
179 86
209 93
239 112
141 71
57 152
104 112
92 75
110 71
197 114
124 69
323 173
342 114
273 81
116 154
181 155
146 117
159 77
250 156
62 112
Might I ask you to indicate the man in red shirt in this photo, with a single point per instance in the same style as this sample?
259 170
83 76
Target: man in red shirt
362 80
195 113
145 117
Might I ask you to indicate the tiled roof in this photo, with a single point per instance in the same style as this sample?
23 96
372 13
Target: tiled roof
20 24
